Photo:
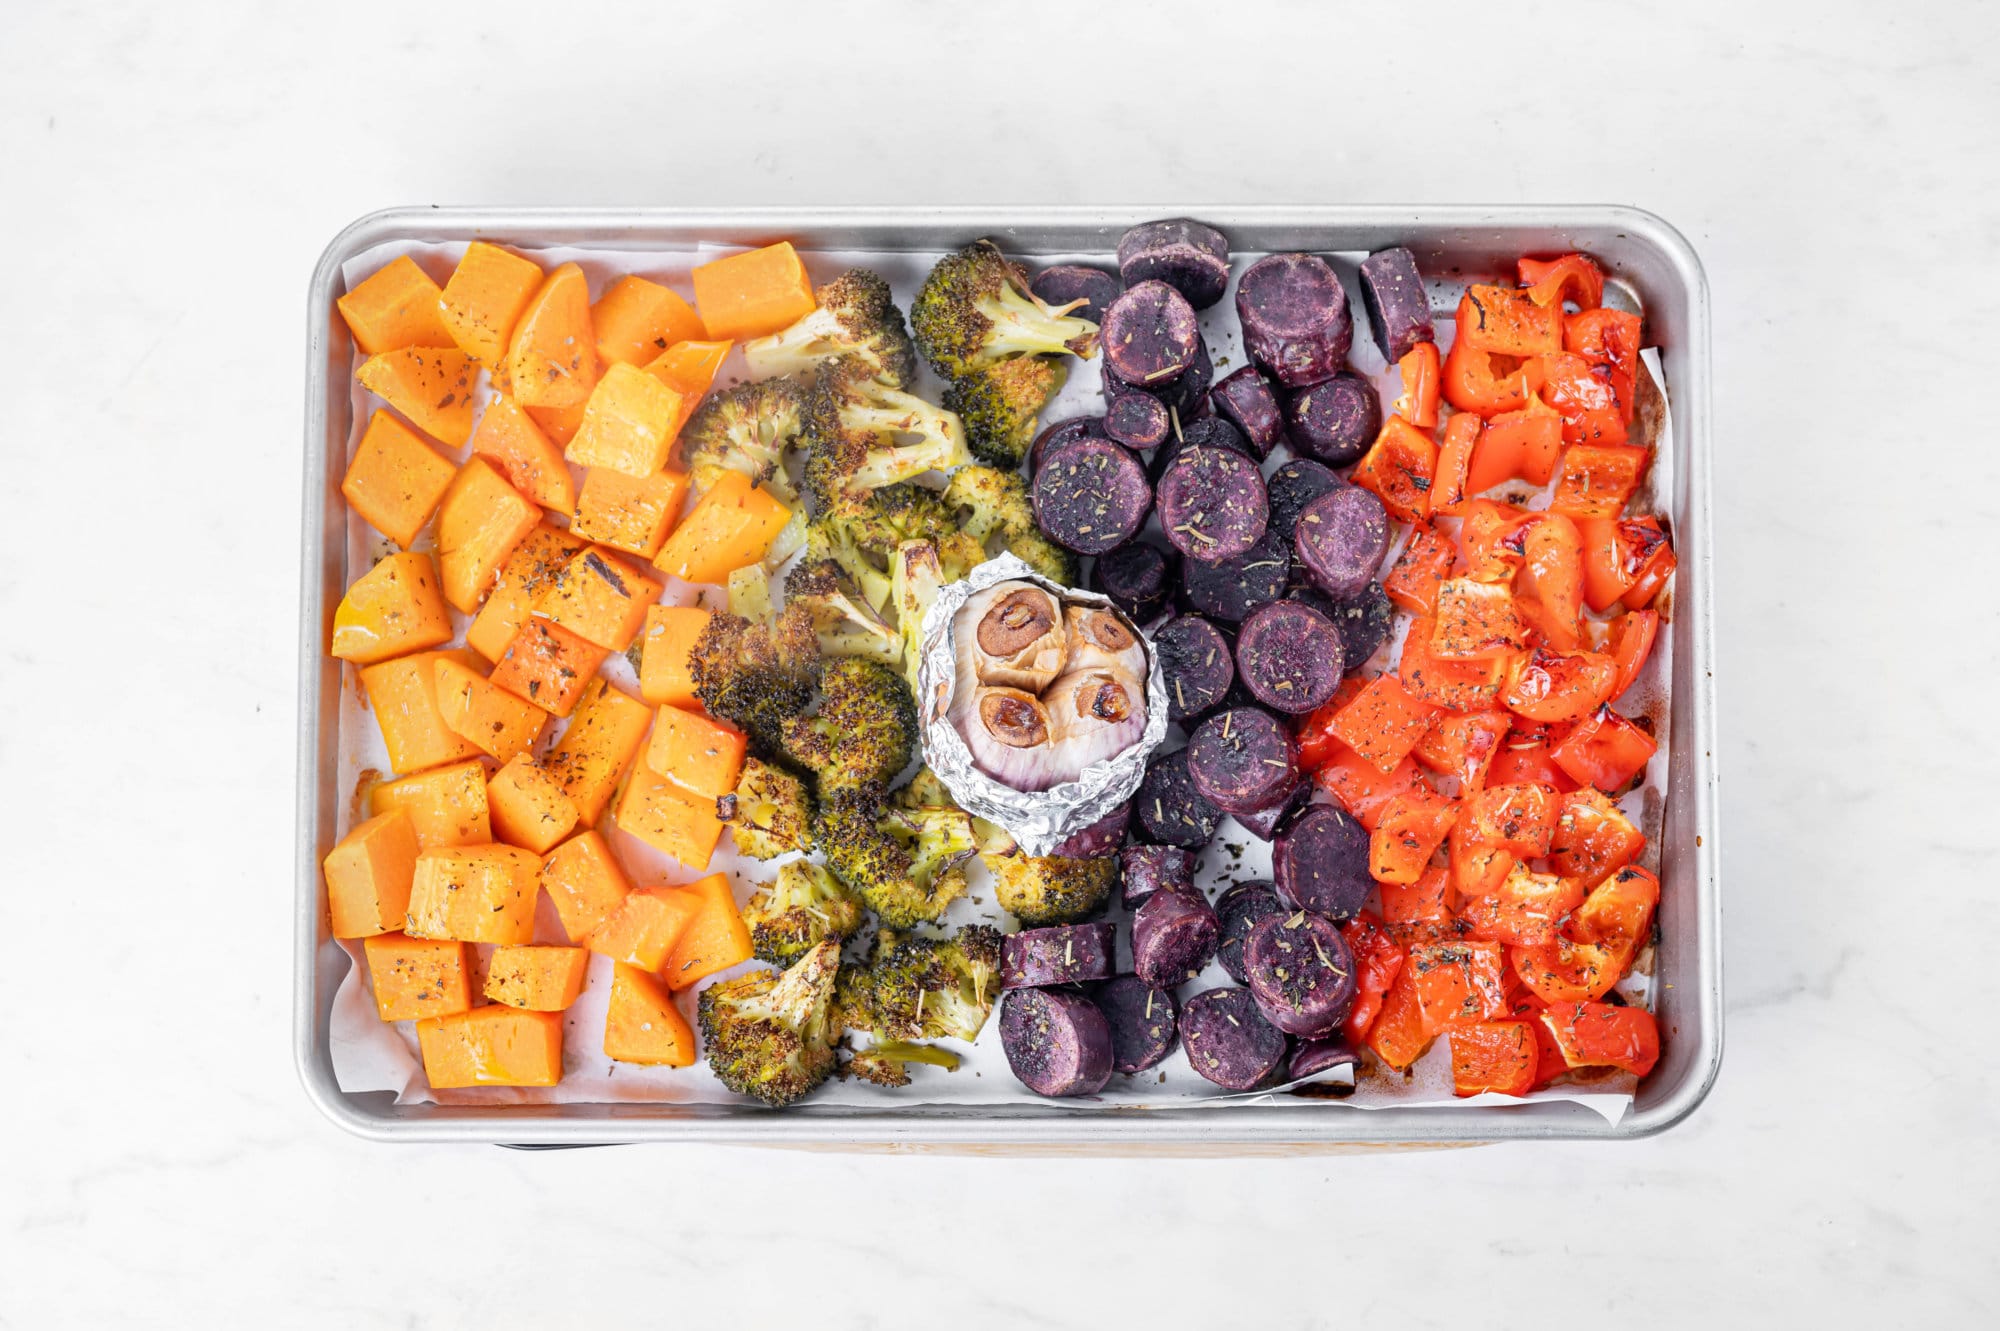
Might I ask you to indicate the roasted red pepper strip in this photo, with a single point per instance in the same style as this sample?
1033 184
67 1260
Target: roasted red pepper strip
1598 480
1359 788
1593 840
1425 562
1559 686
1463 745
1378 960
1408 832
1586 394
1399 469
1496 1056
1548 587
1420 373
1526 444
1604 750
1461 440
1524 911
1629 642
1604 1035
1427 899
1608 337
1623 558
1484 384
1506 322
1572 277
1517 818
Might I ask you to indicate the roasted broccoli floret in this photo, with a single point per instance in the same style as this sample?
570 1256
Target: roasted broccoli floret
757 676
1001 406
748 428
914 579
802 907
836 537
862 534
995 508
865 435
886 1062
770 812
975 308
928 988
845 626
864 731
856 317
770 1034
1052 889
926 791
904 862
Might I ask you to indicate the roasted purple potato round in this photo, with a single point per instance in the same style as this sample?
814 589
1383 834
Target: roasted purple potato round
1056 1041
1320 862
1341 539
1212 503
1138 576
1142 1019
1365 620
1231 589
1399 313
1187 255
1228 1041
1313 1057
1301 973
1244 398
1102 837
1061 432
1171 811
1137 420
1148 337
1144 870
1334 420
1196 664
1290 488
1295 320
1174 934
1059 954
1091 496
1067 282
1243 759
1264 823
1241 909
1289 657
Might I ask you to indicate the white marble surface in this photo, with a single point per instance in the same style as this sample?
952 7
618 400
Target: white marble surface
169 175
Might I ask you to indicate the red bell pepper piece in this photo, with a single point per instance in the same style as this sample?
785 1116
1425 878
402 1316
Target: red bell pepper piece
1559 686
1628 642
1572 277
1425 562
1503 321
1526 444
1526 759
1477 867
1462 686
1608 337
1518 818
1378 961
1383 722
1477 621
1549 585
1525 1006
1398 1036
1624 558
1598 480
1399 469
1408 832
1420 373
1593 1035
1497 1056
1425 899
1584 393
1316 740
1604 750
1656 568
1359 788
1463 745
1484 536
1458 981
1484 384
1597 944
1524 911
1461 441
1593 839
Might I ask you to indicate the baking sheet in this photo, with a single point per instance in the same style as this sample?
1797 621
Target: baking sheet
369 1055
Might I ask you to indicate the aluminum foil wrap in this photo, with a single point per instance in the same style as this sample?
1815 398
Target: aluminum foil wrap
1040 820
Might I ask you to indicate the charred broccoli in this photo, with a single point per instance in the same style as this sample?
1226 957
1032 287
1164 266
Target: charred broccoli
862 534
748 428
769 813
757 676
975 308
886 1062
926 791
798 910
1052 889
845 626
864 435
904 861
864 731
927 988
1001 405
856 317
770 1034
914 579
997 512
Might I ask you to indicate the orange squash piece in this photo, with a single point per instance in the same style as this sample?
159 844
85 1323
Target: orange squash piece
394 307
536 979
548 665
430 385
508 437
528 807
396 479
689 368
414 978
403 695
644 928
641 1023
485 298
585 883
560 424
602 740
729 527
600 598
636 320
668 819
664 645
629 424
714 940
475 894
629 513
446 806
501 724
703 758
391 610
532 567
368 876
480 521
751 294
492 1046
552 354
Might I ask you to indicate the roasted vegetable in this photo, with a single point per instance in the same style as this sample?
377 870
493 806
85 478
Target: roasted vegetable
770 813
903 861
914 579
919 988
862 535
799 909
886 1063
757 676
748 428
863 732
845 626
770 1034
865 435
855 317
1052 889
1001 404
995 509
975 308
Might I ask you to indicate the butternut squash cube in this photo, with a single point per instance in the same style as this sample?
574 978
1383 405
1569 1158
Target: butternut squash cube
664 646
730 526
414 978
668 819
754 293
702 757
635 320
501 724
430 385
689 368
533 566
480 521
396 479
403 695
603 738
485 298
394 307
536 979
447 806
629 423
492 1046
714 940
528 806
508 437
548 665
585 882
641 1023
475 894
644 928
629 513
599 598
368 876
391 610
552 352
560 424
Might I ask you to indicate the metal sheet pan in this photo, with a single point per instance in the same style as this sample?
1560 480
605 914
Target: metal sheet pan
1639 250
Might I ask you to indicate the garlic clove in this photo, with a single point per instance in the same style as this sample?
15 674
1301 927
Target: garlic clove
1099 637
1014 632
1097 714
1010 735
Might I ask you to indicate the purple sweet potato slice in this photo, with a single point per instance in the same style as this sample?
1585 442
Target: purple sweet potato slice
1399 312
1243 759
1187 255
1056 1041
1341 539
1091 496
1174 935
1148 337
1335 420
1241 909
1139 577
1196 664
1245 399
1230 590
1187 396
1067 282
1145 870
1228 1041
1102 837
1264 823
1208 431
1059 954
1138 420
1365 620
1061 432
1289 656
1320 862
1312 1057
1290 488
1143 1022
1301 973
1212 503
1295 320
1171 811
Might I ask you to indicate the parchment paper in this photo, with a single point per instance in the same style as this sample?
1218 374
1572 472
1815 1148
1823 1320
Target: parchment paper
370 1055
